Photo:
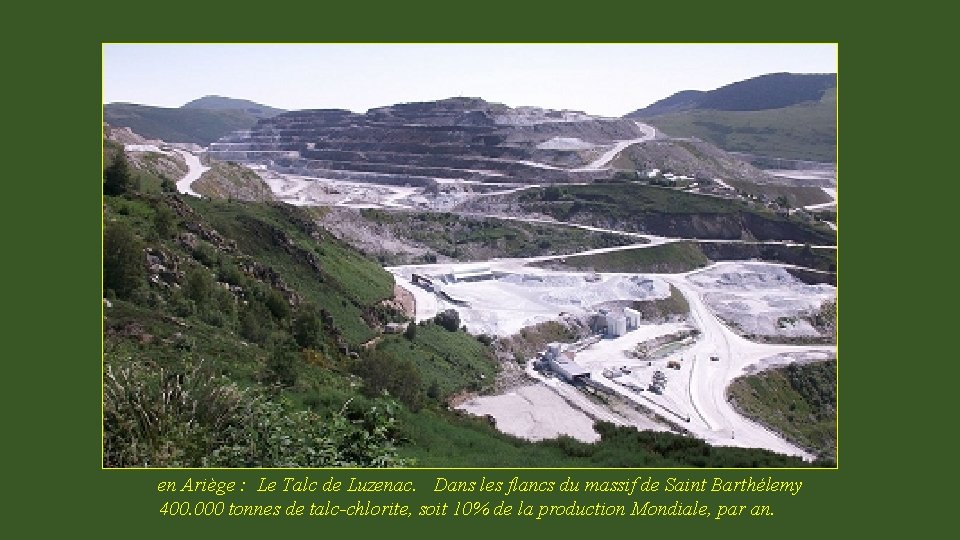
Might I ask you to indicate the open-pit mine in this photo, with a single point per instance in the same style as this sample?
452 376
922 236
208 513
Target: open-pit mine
628 367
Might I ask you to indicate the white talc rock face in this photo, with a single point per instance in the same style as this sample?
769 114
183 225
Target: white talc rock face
144 148
566 143
531 116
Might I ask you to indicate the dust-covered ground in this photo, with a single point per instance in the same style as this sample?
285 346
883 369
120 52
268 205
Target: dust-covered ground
533 412
763 300
371 237
504 305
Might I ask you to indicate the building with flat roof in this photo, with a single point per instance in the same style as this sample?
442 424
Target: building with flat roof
471 274
564 364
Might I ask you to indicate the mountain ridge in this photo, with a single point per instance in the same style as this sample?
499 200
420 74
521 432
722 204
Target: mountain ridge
778 115
215 102
764 92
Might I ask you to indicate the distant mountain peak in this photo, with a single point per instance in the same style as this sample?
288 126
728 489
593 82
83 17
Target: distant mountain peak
770 91
215 102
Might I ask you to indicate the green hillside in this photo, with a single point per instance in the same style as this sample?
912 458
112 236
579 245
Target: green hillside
467 238
803 131
799 401
230 180
770 91
190 125
243 334
254 109
668 212
686 256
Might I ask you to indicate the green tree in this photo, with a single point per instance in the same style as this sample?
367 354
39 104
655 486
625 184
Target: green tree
282 363
306 329
256 324
411 331
448 319
123 260
163 221
277 304
398 376
433 391
116 178
199 286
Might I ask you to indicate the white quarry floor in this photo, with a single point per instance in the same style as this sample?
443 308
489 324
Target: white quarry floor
533 412
694 396
506 305
756 296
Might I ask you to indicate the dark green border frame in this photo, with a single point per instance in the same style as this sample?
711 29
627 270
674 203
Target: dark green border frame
54 237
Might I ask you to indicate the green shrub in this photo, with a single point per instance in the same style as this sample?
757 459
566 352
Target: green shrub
283 361
124 266
199 285
117 179
306 329
195 418
448 319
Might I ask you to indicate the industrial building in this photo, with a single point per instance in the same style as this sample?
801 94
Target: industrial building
469 275
633 318
616 325
613 324
563 363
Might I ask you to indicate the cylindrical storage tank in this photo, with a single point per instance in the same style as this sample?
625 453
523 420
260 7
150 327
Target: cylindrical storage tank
621 326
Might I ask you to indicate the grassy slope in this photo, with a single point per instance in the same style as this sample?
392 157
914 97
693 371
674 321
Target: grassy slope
818 259
444 357
797 196
663 308
349 282
803 131
201 126
151 170
666 258
686 256
472 238
443 439
798 401
229 180
670 212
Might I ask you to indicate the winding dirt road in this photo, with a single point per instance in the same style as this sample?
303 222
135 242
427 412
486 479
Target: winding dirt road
649 132
195 170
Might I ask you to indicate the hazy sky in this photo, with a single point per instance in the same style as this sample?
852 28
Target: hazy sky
605 79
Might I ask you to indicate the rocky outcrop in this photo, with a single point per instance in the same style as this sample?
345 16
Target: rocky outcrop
269 276
228 180
195 226
163 267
